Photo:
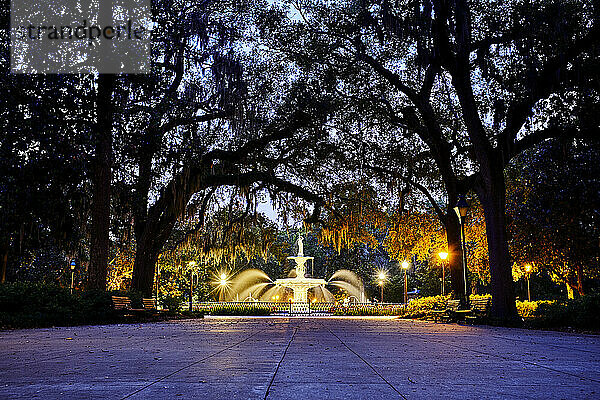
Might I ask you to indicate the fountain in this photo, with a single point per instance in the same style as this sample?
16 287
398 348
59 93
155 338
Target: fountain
300 284
255 284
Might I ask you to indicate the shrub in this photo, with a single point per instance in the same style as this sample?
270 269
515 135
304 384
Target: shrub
29 304
582 313
96 306
171 303
239 309
422 307
136 298
529 309
368 310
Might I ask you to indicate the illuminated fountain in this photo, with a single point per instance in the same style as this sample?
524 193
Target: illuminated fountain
300 284
254 285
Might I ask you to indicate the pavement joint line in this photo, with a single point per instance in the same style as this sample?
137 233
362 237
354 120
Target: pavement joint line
522 361
279 363
366 362
191 365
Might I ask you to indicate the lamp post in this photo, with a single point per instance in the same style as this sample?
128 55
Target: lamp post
443 256
528 270
73 264
157 280
382 277
223 284
405 268
191 265
461 211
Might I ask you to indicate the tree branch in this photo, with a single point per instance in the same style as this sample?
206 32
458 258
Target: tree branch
192 120
418 186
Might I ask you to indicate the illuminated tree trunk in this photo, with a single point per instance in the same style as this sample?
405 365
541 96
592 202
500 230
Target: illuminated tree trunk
570 291
580 289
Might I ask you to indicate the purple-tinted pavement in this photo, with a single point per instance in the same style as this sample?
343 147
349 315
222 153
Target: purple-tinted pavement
297 358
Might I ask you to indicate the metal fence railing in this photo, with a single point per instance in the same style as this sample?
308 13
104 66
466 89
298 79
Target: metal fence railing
268 307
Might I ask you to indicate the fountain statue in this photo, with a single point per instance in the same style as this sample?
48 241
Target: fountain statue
300 246
254 282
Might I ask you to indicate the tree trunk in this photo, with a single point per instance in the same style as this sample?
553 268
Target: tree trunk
580 290
570 291
147 227
492 195
3 263
148 249
101 178
140 199
146 256
455 256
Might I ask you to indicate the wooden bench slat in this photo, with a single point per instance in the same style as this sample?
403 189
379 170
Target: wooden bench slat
149 304
121 303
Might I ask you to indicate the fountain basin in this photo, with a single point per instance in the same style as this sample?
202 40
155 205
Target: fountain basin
300 286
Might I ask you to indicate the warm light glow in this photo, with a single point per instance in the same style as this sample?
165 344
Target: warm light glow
443 255
222 284
381 276
192 264
528 267
404 264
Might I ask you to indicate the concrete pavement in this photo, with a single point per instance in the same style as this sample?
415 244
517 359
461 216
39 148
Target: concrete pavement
297 358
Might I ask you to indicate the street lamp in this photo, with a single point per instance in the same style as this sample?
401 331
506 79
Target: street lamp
528 270
223 283
382 277
157 280
73 265
405 266
461 211
443 256
191 265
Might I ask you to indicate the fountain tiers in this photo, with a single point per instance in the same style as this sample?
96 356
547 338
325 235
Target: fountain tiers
300 284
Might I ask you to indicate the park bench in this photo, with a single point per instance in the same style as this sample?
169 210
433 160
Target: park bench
479 308
442 313
123 303
450 312
149 304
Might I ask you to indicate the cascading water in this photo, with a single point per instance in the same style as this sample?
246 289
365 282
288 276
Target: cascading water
350 282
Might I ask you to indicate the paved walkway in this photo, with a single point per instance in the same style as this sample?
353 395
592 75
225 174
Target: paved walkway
297 358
